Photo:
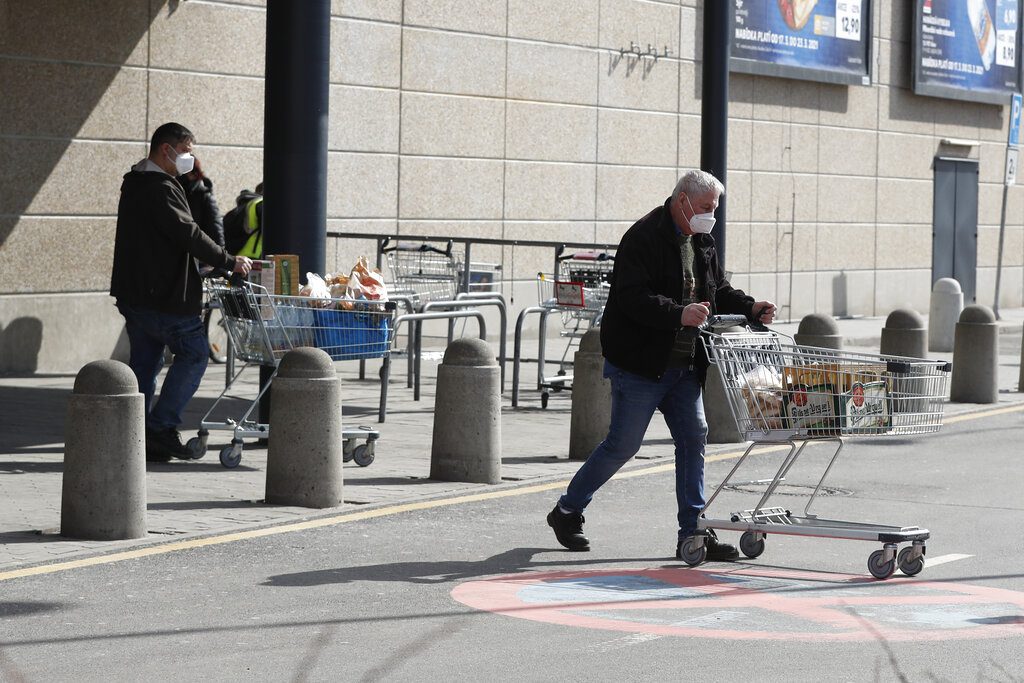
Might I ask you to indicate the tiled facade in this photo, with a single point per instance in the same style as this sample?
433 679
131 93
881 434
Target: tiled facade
487 118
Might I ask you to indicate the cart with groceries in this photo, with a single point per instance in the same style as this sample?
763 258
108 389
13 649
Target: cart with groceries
783 394
331 313
578 292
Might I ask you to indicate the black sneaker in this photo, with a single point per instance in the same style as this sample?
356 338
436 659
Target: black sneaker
717 550
568 528
164 444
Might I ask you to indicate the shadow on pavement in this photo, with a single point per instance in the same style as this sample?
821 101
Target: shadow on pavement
31 417
30 467
508 562
21 609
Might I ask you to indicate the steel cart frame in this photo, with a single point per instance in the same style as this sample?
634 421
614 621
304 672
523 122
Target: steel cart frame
784 394
579 291
263 327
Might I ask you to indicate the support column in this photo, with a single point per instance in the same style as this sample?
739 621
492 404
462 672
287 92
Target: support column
295 125
714 110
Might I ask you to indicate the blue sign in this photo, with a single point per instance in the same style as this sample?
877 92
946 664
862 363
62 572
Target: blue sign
967 49
1014 136
818 40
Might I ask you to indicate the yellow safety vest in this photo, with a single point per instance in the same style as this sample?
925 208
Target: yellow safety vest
253 247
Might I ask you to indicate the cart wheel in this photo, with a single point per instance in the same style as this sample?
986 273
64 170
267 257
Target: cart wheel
363 455
197 444
692 555
907 566
751 544
346 450
231 455
544 399
879 568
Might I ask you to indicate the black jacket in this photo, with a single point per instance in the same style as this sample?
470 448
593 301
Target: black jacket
204 207
156 245
643 312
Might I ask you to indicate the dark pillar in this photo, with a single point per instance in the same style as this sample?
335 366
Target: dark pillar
295 137
714 124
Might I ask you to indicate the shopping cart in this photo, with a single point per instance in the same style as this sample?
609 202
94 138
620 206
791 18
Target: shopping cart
263 327
579 292
780 393
422 272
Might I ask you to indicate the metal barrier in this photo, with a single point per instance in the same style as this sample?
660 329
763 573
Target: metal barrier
415 319
471 303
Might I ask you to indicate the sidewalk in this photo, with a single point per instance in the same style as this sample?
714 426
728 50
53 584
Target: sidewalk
198 498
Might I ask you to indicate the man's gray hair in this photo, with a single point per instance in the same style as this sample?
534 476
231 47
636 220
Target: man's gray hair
697 182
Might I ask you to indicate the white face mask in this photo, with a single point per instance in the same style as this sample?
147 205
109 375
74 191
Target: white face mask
184 162
701 223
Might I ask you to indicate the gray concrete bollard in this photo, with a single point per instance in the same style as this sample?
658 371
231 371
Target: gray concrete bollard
817 329
975 376
1020 379
467 415
904 334
721 424
103 492
943 312
591 398
306 449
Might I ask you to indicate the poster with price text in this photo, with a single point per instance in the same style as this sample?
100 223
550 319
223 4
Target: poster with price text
967 49
815 40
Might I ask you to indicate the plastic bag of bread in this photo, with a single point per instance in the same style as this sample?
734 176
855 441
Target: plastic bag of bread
366 283
316 288
761 388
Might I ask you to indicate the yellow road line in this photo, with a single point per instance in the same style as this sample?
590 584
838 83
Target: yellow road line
984 413
164 548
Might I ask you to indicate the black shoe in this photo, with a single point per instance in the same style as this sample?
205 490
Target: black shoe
164 444
717 550
568 528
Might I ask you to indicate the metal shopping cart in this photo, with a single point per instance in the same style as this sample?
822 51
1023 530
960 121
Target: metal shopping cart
780 393
263 327
579 292
421 271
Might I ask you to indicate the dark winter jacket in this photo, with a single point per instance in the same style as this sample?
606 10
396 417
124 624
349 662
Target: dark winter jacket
156 245
643 313
205 211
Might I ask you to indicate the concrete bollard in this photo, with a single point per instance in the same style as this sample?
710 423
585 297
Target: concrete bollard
591 398
975 357
817 329
721 424
1020 379
467 415
904 334
944 311
306 449
103 492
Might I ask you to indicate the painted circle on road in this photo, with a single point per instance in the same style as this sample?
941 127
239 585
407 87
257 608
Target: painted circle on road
751 603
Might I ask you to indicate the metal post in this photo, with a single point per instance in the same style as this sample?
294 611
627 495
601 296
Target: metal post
295 137
999 256
714 124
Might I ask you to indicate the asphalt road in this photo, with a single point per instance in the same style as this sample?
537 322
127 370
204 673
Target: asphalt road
416 594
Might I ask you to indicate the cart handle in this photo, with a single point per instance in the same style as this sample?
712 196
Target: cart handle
719 322
410 246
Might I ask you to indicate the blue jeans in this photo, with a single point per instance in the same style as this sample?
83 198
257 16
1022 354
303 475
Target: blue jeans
634 399
149 332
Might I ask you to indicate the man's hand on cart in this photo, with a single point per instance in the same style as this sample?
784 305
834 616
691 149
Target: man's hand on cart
695 314
243 264
764 312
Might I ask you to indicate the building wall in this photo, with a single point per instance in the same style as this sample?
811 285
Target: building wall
509 119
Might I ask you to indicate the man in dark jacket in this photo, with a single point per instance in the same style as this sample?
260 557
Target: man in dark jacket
205 212
157 285
666 282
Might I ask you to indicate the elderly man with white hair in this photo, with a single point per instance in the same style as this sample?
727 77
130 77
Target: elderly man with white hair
667 280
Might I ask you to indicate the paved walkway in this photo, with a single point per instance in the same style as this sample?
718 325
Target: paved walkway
189 499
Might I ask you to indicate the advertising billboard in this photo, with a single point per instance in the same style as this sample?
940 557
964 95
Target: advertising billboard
967 49
816 40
